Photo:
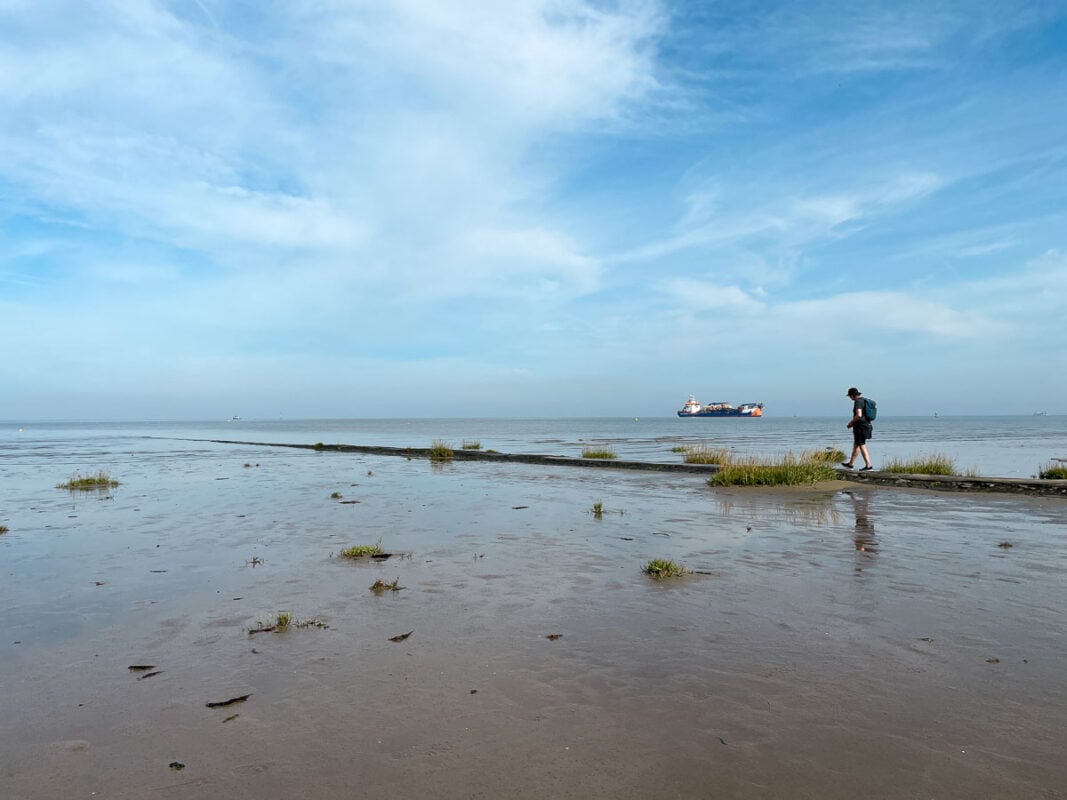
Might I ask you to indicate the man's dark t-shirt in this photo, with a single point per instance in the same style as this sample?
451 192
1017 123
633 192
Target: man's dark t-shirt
865 426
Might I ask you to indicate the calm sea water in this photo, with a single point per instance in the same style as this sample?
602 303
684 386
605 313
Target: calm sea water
996 446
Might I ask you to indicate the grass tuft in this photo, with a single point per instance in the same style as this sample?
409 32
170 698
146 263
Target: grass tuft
592 451
380 586
441 450
336 496
1053 471
4 529
681 448
702 454
789 470
934 464
79 482
319 445
362 550
283 621
598 510
830 455
471 444
663 568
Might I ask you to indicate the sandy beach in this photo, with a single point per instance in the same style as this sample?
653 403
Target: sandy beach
838 642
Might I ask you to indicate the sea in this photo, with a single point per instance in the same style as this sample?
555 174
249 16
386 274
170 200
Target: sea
1001 446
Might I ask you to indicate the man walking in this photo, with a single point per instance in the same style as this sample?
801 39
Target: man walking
862 430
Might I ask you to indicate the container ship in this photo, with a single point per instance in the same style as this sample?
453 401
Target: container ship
694 409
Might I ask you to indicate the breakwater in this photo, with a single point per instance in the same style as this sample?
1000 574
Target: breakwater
485 455
949 483
962 483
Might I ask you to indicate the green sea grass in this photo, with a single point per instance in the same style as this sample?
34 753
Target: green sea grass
789 470
1053 471
933 464
78 482
441 450
593 451
663 568
362 550
702 454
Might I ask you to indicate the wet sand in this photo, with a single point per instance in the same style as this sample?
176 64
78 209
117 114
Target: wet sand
843 642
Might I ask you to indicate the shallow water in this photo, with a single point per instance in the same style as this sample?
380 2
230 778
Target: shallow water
833 644
994 446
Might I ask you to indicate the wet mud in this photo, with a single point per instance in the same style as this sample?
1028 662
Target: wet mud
848 641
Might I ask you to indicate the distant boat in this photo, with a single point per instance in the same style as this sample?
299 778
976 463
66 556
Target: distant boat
935 413
234 418
694 409
1040 414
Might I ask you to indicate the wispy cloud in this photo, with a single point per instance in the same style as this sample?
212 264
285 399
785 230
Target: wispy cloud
894 312
986 249
697 296
725 215
144 121
838 38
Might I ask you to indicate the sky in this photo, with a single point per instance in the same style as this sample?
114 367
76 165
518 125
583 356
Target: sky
538 208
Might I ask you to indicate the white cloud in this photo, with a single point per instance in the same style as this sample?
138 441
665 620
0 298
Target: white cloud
228 212
892 312
839 38
406 155
696 295
986 249
541 62
500 255
788 215
1033 295
114 271
1021 308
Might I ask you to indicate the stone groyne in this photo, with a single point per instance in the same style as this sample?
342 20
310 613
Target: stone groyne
961 483
949 483
486 455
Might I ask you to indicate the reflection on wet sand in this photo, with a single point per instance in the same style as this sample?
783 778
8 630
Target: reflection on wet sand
863 537
815 511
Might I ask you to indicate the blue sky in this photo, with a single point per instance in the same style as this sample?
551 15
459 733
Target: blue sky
533 208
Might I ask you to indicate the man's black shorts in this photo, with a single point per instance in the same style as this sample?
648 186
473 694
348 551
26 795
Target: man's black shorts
861 432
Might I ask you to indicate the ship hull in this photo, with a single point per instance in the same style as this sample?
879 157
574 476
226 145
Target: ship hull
731 412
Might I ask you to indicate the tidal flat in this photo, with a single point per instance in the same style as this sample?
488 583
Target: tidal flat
839 642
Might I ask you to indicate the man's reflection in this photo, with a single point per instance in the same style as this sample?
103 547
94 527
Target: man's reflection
864 536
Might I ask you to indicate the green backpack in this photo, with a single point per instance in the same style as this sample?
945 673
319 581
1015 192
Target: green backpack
870 409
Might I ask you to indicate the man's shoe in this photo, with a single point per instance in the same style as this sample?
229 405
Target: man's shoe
864 469
847 464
